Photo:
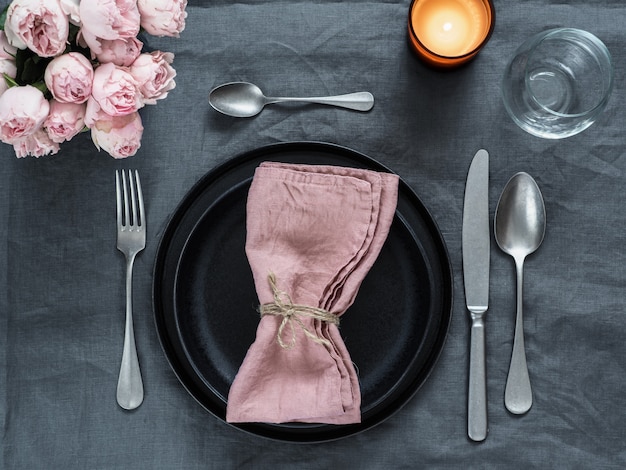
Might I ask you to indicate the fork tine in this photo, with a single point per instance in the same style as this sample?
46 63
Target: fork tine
118 198
125 191
132 216
142 217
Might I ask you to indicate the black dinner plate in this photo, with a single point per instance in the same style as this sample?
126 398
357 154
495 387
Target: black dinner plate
205 301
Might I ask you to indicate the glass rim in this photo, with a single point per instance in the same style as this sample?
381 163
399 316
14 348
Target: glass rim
595 41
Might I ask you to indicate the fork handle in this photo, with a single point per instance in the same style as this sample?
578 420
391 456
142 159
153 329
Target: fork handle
129 384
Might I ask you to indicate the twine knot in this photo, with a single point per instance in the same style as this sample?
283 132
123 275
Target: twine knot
293 313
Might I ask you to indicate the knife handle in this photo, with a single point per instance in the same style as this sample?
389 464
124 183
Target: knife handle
477 394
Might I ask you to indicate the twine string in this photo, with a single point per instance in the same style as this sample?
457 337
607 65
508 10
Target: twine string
292 314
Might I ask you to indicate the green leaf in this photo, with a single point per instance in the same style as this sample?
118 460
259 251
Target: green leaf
41 86
30 72
71 38
21 56
9 80
3 17
30 67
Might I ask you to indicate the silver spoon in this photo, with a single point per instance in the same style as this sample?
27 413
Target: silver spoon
520 223
242 99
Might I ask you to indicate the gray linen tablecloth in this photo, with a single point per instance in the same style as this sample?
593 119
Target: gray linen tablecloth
61 278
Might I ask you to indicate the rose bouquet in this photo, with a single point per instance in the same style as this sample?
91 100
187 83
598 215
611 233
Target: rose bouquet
68 66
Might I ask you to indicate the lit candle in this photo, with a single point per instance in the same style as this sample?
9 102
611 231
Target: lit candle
448 33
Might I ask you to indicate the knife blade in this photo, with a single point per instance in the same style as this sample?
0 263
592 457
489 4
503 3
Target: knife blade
476 243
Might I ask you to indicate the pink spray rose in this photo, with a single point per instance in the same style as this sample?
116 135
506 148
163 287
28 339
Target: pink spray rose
154 75
69 78
163 17
122 52
120 137
64 120
40 25
109 19
116 90
36 144
23 110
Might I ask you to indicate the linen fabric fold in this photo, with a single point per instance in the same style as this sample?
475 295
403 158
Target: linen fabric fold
313 233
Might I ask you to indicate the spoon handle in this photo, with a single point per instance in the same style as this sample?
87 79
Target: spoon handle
360 101
518 397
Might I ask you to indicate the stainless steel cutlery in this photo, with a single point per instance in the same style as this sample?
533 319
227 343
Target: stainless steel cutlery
476 244
519 227
520 224
131 239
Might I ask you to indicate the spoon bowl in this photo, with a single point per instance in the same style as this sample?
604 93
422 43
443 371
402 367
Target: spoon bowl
243 99
520 223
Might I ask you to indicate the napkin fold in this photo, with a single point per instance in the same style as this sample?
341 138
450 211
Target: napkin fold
313 233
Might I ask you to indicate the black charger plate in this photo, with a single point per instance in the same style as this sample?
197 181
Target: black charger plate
205 301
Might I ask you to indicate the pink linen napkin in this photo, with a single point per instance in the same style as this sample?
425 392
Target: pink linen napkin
313 233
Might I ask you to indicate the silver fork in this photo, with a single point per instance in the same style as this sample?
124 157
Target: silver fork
131 239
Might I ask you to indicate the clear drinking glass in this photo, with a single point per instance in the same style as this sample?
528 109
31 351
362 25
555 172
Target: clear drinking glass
558 83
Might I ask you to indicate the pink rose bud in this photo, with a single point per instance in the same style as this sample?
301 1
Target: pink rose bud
122 52
72 10
7 51
6 67
119 137
7 62
40 25
64 120
163 17
23 109
154 75
110 19
116 90
69 78
89 41
94 113
37 144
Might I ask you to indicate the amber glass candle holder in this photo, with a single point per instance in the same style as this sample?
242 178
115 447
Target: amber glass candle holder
449 33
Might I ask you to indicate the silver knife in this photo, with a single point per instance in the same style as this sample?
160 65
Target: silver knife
476 245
